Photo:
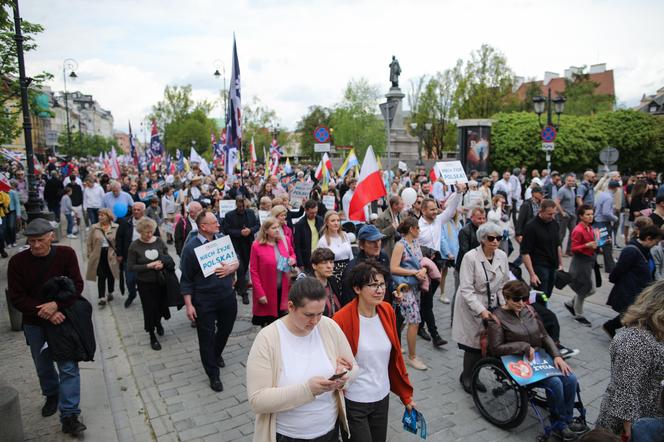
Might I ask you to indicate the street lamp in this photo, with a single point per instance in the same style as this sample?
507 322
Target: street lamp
557 105
69 65
219 65
422 134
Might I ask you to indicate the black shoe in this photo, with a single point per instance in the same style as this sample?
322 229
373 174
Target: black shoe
71 425
567 353
609 331
110 297
220 362
422 333
154 343
128 302
215 384
160 329
565 434
578 426
437 340
50 406
466 388
583 321
479 386
245 299
570 308
3 254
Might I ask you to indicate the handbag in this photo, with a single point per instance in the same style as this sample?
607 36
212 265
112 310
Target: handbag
562 278
484 333
282 262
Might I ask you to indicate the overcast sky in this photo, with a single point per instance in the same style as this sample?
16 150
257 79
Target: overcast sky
297 53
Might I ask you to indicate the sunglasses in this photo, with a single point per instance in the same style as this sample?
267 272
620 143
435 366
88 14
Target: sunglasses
523 299
492 238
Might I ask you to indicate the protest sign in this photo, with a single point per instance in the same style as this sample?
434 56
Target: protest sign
299 192
452 172
328 202
212 254
403 166
263 215
601 236
526 372
225 206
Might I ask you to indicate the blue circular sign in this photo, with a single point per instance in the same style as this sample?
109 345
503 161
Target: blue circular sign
549 134
322 134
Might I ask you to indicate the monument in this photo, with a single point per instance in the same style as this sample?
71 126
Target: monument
403 146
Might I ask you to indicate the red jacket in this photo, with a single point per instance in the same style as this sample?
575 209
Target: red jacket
581 235
263 270
348 319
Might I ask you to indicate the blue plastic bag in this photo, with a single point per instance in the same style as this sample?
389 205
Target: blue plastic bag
412 420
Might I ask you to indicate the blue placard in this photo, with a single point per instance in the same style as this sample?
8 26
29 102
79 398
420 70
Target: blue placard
526 372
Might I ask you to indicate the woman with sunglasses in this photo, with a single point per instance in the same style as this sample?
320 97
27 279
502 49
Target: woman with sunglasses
515 329
483 272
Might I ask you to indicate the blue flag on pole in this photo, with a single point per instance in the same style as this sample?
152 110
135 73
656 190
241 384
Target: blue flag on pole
156 146
234 117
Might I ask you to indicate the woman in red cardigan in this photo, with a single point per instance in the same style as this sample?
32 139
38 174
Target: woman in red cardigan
270 274
369 324
280 213
582 267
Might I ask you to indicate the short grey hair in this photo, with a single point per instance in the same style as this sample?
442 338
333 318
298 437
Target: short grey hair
488 229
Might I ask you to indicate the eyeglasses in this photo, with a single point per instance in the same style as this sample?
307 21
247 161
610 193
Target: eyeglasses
517 299
377 286
492 238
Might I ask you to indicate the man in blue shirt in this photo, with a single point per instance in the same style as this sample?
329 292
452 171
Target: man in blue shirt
585 192
116 195
210 301
604 218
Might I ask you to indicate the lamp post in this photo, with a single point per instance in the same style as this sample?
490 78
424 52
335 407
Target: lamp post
421 135
557 105
218 64
69 65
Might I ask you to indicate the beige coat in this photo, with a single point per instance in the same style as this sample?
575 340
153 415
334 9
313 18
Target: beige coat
471 299
264 367
94 241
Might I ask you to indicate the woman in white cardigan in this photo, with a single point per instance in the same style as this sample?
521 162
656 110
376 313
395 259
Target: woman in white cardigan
296 370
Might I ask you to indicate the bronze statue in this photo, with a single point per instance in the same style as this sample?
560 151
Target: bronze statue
395 71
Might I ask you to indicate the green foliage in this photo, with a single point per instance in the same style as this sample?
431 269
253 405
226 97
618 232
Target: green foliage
177 103
639 137
582 99
354 120
194 126
315 116
85 144
10 91
257 122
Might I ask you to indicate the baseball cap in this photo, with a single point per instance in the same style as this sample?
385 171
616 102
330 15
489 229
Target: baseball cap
369 233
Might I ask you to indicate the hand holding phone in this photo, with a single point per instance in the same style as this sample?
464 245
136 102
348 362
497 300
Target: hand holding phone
334 377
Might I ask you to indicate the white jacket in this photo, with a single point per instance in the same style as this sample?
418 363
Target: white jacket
93 196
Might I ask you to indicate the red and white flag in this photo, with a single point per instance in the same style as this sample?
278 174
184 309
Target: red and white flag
4 183
115 165
369 188
325 163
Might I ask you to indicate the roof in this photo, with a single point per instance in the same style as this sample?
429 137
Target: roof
604 79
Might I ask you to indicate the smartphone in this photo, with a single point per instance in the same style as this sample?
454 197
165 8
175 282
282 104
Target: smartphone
337 376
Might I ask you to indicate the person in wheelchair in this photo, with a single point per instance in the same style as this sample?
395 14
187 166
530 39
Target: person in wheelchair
515 329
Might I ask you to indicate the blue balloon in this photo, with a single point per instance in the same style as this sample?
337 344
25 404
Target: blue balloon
120 209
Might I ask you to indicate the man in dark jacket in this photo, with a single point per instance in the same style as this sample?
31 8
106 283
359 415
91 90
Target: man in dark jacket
26 274
241 225
126 235
306 235
468 236
53 190
529 210
186 225
631 275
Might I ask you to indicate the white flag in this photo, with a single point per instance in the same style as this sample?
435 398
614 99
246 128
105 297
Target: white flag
194 157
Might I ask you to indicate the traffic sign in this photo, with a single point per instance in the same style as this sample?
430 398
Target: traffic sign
609 155
548 134
321 147
322 134
548 147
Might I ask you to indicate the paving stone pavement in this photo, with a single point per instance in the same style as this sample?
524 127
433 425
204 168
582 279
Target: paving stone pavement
164 395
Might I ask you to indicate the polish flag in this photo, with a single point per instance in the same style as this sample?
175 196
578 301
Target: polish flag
369 188
4 183
324 163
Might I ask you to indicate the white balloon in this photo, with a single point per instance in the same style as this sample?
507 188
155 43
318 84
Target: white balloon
409 195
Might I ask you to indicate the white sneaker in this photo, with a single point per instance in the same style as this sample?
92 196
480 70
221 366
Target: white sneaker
9 246
102 301
416 363
445 299
72 236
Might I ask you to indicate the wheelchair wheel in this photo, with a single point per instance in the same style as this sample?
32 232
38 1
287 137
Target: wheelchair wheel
497 396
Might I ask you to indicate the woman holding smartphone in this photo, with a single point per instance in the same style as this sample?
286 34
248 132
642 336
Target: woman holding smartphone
369 324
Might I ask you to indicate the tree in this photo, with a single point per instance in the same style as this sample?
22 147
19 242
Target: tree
193 126
582 98
483 84
315 116
10 88
83 145
355 121
257 121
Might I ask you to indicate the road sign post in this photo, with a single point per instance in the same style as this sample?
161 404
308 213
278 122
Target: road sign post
548 135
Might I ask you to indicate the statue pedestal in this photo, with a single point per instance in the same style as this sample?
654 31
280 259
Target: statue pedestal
402 145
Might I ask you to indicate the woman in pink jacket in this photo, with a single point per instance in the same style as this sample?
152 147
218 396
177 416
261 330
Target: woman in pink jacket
270 274
280 213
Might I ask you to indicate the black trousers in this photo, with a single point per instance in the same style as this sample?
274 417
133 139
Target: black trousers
104 275
549 320
153 303
426 307
331 436
243 253
367 422
214 324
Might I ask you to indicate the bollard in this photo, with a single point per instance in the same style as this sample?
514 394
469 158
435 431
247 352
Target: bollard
11 425
15 316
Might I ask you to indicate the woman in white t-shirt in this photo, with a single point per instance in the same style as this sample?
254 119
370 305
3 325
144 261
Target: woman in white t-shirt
296 369
334 238
369 324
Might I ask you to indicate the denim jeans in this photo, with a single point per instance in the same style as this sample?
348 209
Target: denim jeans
93 215
10 227
547 277
648 429
70 223
131 280
561 393
65 382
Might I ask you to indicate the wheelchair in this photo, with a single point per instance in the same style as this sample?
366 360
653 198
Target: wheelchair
504 403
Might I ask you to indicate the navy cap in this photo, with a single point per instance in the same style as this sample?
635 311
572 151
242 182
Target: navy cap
369 233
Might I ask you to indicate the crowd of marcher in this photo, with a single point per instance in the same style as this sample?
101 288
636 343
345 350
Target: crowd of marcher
333 296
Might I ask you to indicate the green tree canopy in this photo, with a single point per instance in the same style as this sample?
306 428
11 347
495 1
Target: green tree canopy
83 145
194 126
257 122
581 96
